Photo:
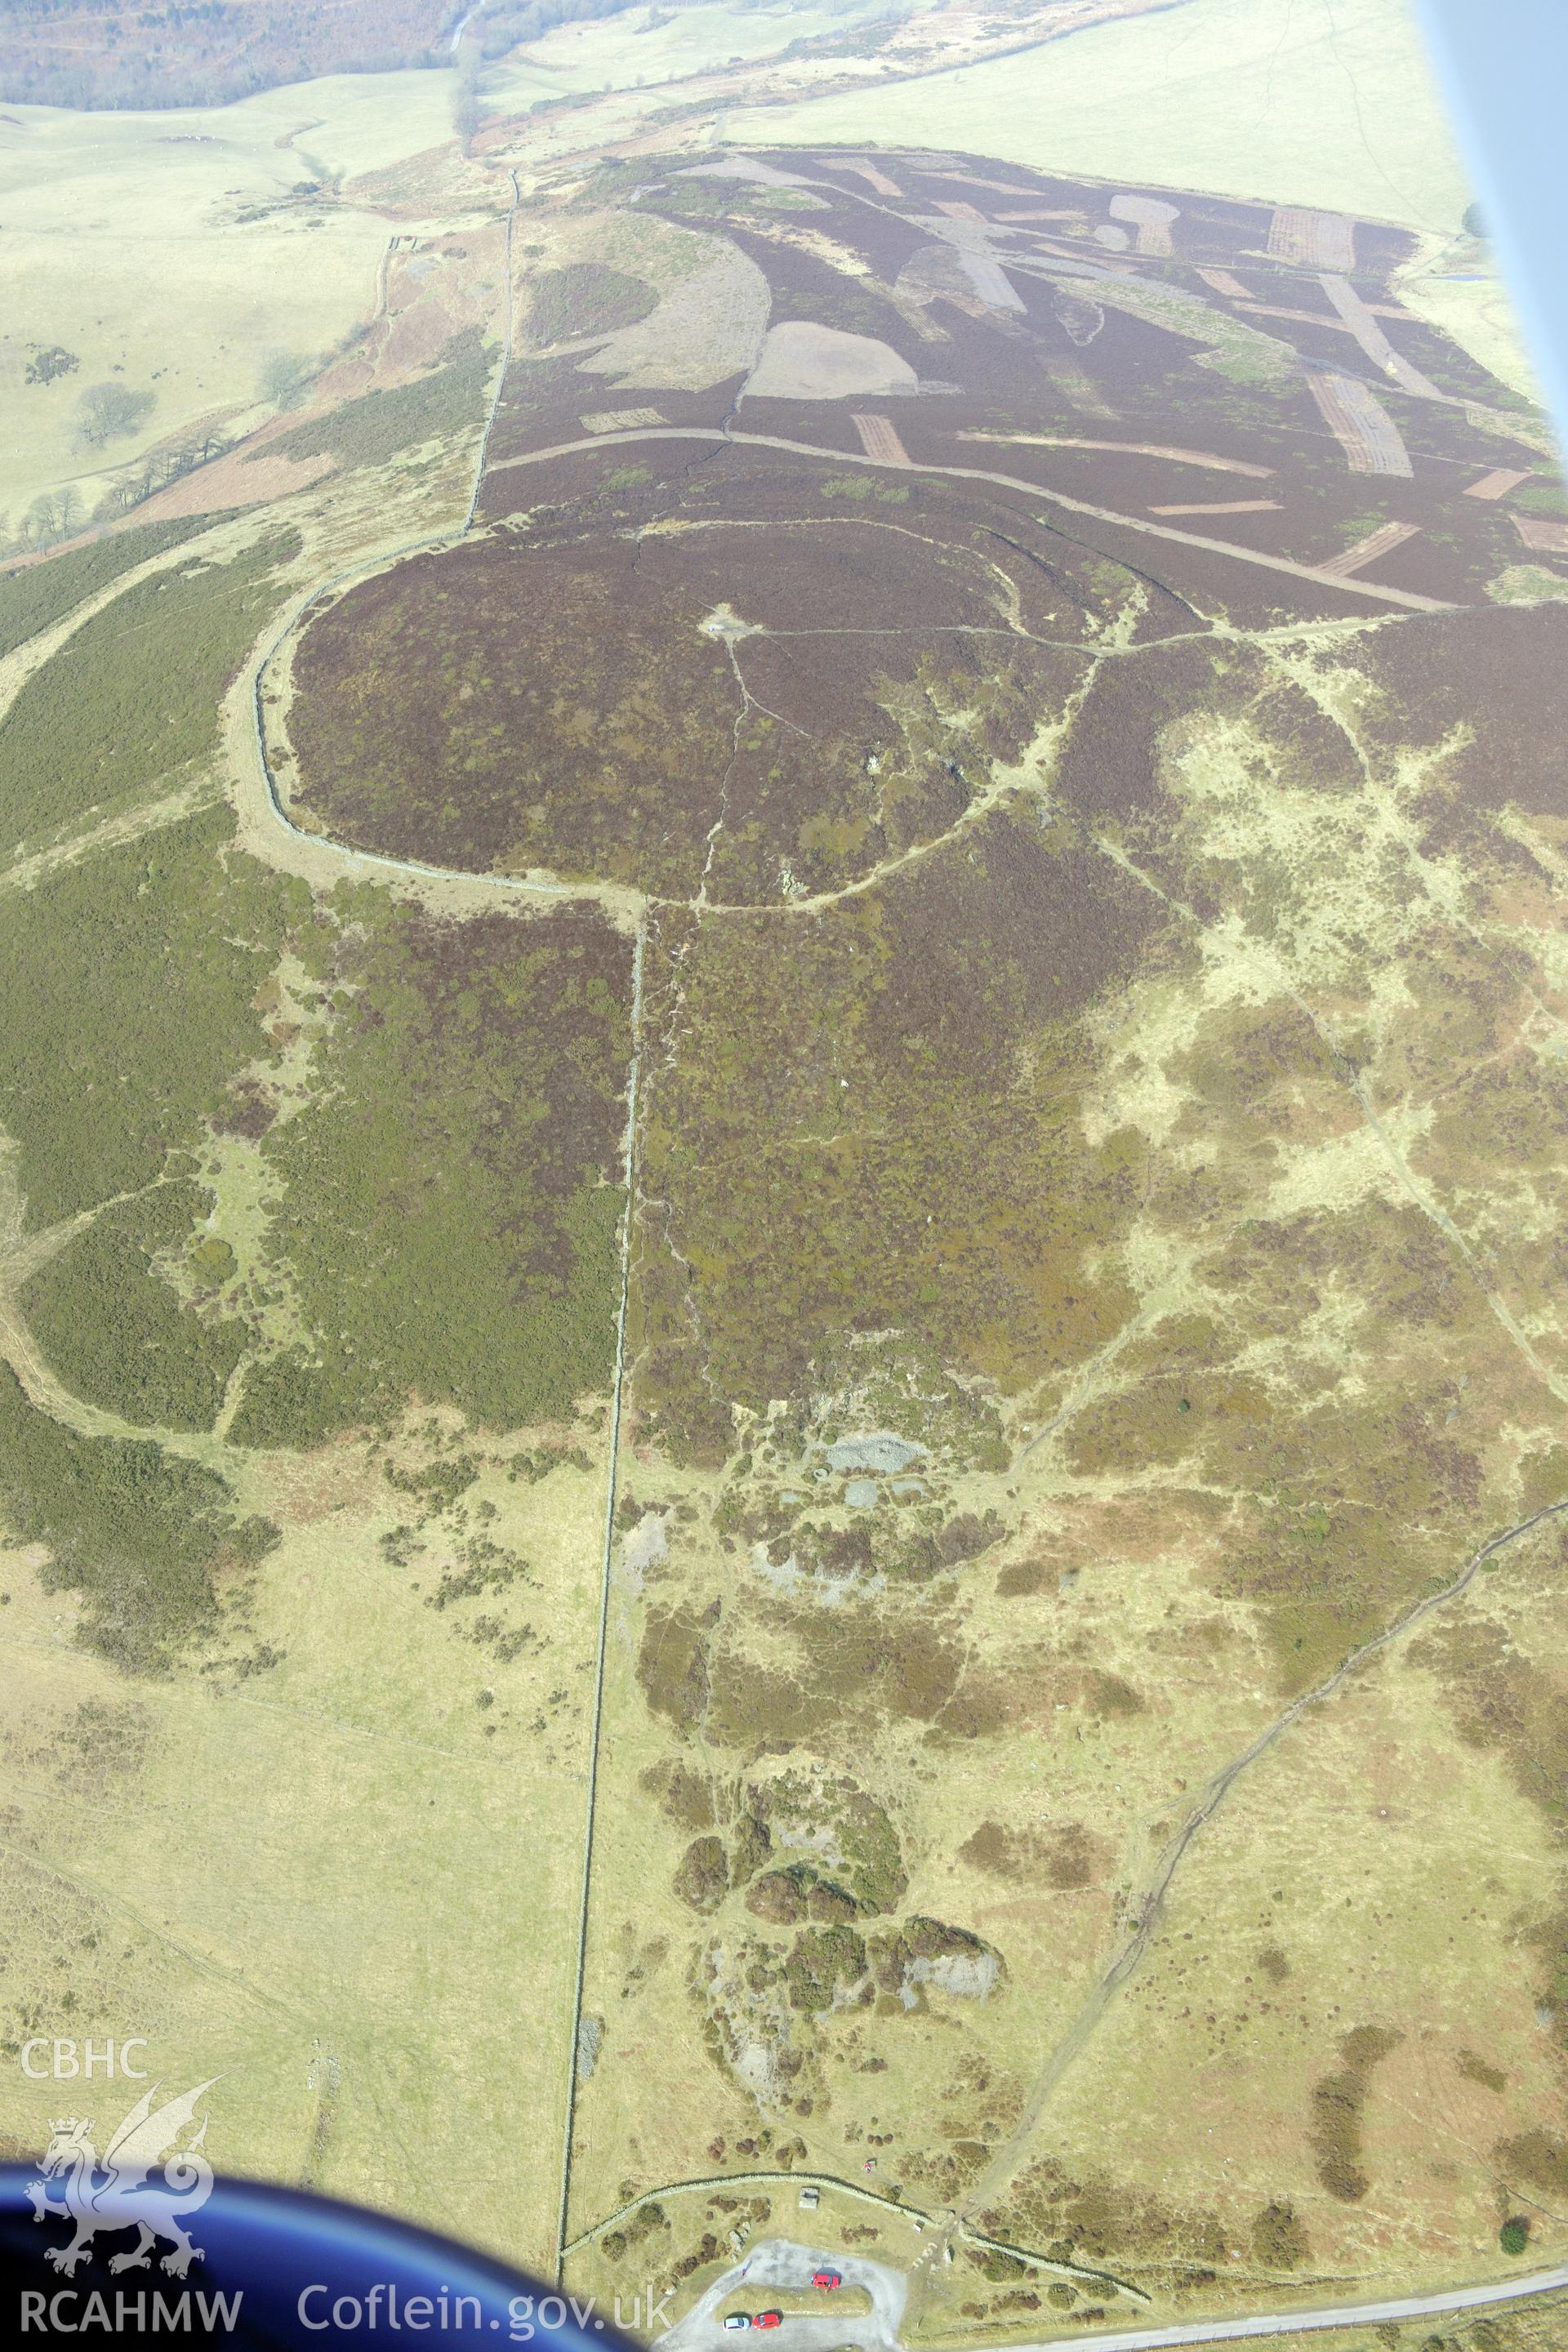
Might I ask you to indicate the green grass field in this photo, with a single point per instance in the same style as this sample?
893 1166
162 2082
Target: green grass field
173 253
1326 102
320 1869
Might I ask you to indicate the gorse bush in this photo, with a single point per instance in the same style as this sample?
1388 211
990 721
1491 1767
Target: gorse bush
34 598
115 1331
382 425
137 1531
132 698
129 981
586 299
443 1198
443 1207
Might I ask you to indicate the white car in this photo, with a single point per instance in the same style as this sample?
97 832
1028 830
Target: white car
738 2319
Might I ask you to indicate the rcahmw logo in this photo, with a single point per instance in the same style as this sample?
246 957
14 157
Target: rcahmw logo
144 2312
116 2194
65 2060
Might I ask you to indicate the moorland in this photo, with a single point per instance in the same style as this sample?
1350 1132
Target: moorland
784 1116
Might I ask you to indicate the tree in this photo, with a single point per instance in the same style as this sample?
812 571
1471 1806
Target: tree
41 523
282 378
119 497
46 367
465 107
108 412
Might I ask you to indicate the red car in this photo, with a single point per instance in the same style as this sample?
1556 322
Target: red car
826 2279
768 2319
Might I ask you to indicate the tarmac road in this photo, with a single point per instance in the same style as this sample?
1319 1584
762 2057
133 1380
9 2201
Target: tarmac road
1285 2323
775 2263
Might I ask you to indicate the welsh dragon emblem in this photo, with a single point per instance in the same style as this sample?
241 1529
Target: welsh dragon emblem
118 2194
